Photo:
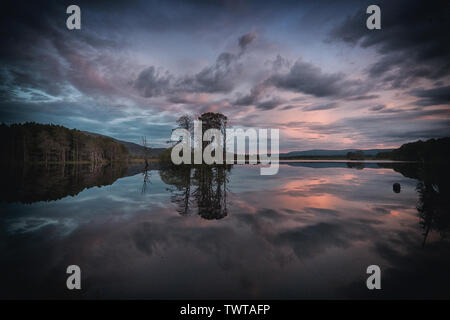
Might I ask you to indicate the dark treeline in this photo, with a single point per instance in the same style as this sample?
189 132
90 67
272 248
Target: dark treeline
357 155
432 150
33 142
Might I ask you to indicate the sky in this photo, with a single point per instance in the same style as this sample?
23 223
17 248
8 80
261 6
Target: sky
312 69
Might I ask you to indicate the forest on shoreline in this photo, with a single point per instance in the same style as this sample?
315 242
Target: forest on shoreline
47 143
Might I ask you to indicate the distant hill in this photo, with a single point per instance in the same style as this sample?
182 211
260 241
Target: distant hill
335 153
432 150
133 148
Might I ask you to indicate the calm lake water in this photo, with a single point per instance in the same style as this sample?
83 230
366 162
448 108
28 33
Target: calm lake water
308 232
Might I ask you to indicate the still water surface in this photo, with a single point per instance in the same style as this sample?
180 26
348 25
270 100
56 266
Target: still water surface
308 232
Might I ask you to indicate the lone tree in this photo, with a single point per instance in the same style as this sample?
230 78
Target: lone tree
211 120
185 122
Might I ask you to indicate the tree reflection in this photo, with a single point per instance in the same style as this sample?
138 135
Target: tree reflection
356 165
433 204
200 188
32 183
211 193
433 189
146 180
180 178
434 208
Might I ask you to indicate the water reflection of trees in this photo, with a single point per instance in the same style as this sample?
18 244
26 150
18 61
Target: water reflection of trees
32 183
200 188
434 208
180 178
433 189
356 165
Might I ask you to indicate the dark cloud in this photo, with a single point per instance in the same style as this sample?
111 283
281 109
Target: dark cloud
152 83
178 99
321 107
259 98
280 63
381 108
367 97
306 78
289 107
252 98
246 39
270 104
220 77
413 40
431 97
378 107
